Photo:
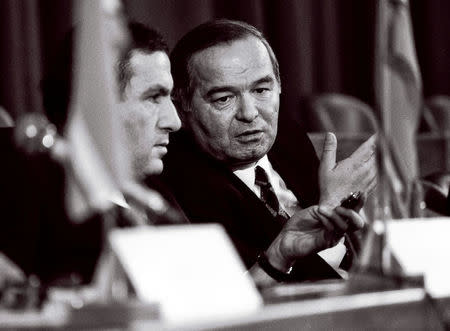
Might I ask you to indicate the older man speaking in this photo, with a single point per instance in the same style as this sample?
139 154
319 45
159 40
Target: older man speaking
220 167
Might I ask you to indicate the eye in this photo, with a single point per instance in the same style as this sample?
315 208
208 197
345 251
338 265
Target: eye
223 101
156 98
261 90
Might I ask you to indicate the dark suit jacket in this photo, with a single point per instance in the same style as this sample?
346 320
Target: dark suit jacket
35 231
209 192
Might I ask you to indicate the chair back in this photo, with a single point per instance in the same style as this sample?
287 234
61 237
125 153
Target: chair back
342 113
352 120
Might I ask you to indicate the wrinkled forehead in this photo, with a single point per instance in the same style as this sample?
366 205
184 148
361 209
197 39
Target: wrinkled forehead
244 58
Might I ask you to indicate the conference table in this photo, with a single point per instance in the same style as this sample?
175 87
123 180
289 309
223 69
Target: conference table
364 303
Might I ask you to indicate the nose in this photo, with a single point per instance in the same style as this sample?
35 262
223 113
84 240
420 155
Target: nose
247 111
168 118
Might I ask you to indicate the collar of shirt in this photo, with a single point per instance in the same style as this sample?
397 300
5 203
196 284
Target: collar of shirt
287 199
334 255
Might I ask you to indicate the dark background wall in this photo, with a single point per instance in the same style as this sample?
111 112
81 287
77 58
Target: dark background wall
322 45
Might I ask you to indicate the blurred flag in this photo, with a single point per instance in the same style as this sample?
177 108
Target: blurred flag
399 96
94 133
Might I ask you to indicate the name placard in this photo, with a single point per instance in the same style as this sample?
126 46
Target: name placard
192 271
422 246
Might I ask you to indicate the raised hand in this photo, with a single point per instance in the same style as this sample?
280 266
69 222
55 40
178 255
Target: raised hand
353 174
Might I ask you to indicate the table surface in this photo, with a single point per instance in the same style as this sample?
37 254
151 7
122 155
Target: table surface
335 305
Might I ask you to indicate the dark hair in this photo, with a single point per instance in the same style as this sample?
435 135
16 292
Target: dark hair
57 83
144 39
206 35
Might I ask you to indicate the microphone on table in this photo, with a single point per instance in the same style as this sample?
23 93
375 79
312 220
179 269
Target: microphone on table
35 135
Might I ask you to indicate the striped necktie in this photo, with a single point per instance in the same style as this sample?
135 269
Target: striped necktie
268 195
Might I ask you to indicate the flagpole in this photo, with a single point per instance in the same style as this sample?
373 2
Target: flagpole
373 254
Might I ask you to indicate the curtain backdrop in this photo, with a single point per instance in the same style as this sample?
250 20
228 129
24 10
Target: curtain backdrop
30 31
322 45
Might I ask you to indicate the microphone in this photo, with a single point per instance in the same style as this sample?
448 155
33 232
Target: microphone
35 135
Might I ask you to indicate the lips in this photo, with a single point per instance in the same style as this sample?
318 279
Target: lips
160 148
250 136
163 142
248 133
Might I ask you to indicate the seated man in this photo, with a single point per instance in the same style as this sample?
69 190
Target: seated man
37 233
148 113
222 167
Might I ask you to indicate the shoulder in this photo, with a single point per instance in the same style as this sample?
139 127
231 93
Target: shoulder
203 187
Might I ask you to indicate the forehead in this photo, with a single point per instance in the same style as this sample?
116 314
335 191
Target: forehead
242 60
150 69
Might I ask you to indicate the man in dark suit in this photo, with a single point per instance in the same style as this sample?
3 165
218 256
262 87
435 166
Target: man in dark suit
222 166
37 232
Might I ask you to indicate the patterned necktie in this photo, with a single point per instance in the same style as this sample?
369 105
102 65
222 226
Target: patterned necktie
268 195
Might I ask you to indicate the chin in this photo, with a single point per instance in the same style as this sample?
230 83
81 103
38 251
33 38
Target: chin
155 167
252 155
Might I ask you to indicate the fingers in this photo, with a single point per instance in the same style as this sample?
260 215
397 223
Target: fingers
328 159
324 216
367 149
365 178
353 219
339 224
361 174
341 219
355 173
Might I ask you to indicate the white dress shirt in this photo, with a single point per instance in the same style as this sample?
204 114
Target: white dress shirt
287 199
334 255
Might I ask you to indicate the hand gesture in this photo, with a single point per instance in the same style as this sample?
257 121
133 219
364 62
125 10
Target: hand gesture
309 231
353 174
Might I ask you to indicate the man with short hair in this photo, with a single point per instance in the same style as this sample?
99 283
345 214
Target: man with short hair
54 247
221 168
149 116
145 85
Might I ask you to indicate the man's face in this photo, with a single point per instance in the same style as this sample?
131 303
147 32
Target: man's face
149 113
234 107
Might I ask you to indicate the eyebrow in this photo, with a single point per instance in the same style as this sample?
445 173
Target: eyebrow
266 79
155 89
227 88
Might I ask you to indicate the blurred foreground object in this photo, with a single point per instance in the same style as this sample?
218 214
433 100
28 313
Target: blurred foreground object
436 192
34 134
36 233
9 271
430 258
93 129
6 120
198 278
398 90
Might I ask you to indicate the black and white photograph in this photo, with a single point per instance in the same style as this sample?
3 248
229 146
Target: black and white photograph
225 165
